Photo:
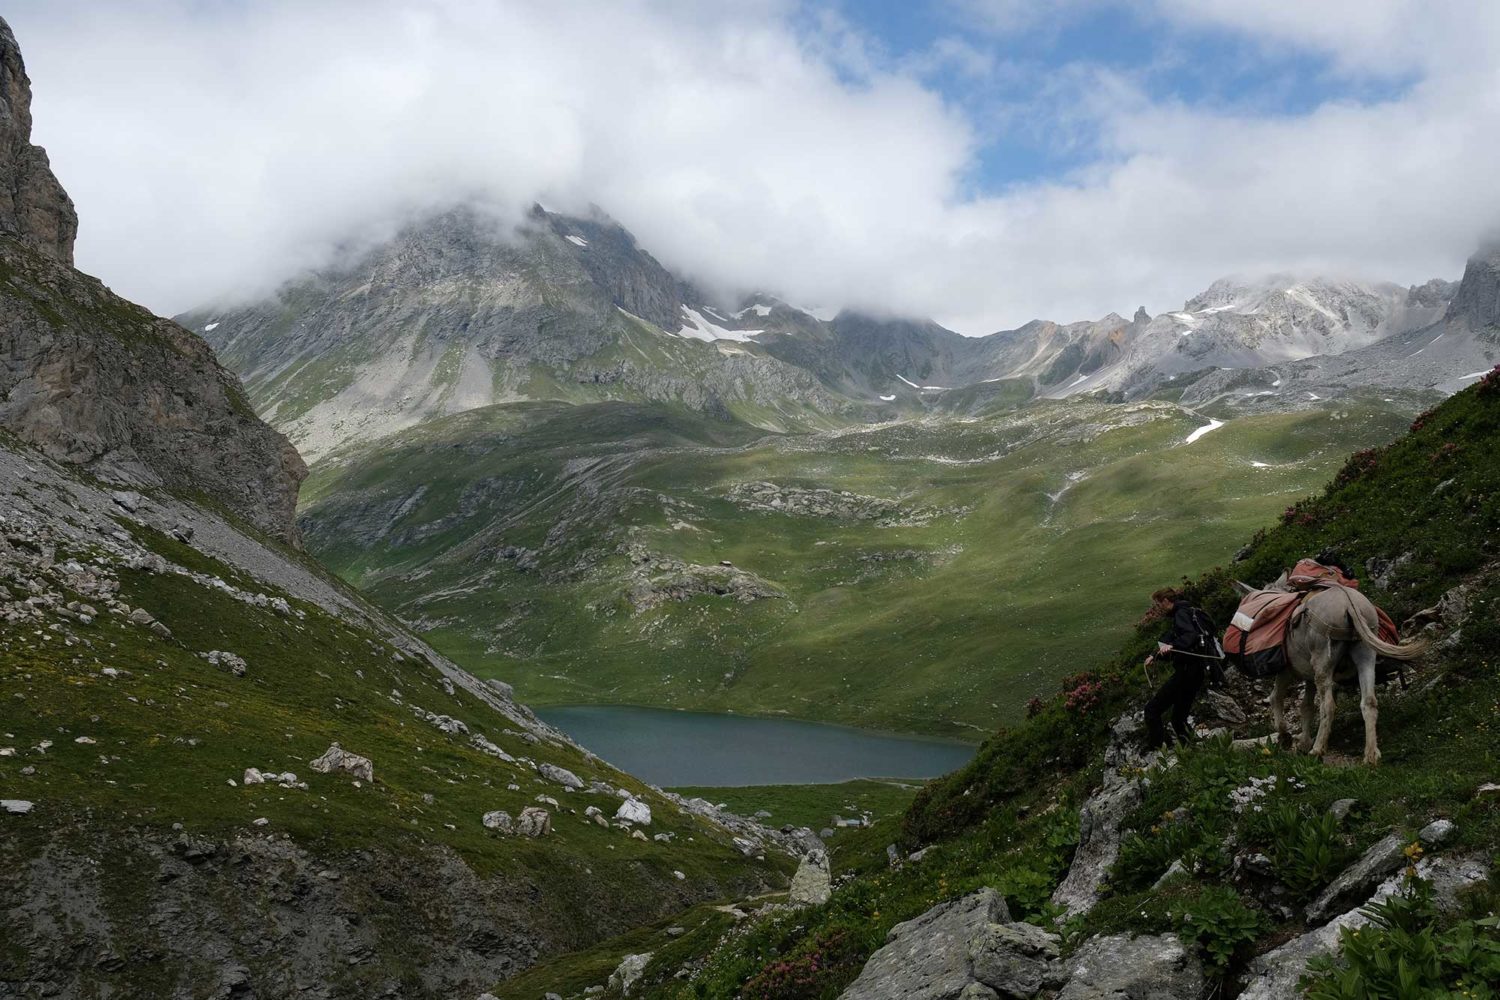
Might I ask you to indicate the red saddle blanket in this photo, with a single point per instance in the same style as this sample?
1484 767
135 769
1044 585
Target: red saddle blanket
1256 638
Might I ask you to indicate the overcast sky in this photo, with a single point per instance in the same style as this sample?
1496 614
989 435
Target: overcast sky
983 162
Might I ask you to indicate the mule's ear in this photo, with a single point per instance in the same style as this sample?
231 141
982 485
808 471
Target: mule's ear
1243 587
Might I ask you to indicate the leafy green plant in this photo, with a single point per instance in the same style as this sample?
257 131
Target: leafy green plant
1219 924
1146 855
1402 955
1306 851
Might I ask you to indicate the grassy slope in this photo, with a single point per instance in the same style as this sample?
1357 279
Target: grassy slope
171 731
945 627
1009 819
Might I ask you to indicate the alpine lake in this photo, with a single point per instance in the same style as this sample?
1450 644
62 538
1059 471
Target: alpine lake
671 748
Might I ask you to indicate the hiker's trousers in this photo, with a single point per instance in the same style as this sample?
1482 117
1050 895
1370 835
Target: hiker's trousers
1177 695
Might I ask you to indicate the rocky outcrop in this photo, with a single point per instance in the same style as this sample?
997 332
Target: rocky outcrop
1274 974
33 205
928 958
629 972
95 381
1359 879
1476 304
1099 824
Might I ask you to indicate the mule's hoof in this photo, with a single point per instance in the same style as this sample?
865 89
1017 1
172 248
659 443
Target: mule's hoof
1304 746
1372 758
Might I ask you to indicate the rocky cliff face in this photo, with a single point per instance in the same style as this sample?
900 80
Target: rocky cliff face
1476 304
33 205
96 381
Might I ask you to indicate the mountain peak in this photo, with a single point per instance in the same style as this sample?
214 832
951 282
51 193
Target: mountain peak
1477 301
33 205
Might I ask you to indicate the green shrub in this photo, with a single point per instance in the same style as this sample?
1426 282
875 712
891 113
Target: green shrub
1402 955
1218 924
821 965
1306 851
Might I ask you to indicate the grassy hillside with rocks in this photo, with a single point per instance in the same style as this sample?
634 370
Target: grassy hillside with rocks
1223 868
157 661
925 576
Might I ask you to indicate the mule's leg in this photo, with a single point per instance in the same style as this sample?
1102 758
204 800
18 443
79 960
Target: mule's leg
1307 715
1364 662
1323 677
1278 707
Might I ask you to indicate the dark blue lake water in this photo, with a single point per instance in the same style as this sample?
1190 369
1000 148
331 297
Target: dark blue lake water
698 748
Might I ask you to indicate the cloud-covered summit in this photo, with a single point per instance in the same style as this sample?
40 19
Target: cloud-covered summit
220 148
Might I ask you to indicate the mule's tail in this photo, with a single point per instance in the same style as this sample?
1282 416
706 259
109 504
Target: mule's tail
1404 651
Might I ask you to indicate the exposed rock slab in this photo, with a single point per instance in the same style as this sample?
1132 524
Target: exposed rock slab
928 958
1121 967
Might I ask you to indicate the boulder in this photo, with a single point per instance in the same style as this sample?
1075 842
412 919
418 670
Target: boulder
253 776
16 807
927 958
226 661
1015 959
1122 967
634 811
1358 880
1224 707
1439 831
499 819
629 973
812 884
561 775
534 822
1342 808
337 759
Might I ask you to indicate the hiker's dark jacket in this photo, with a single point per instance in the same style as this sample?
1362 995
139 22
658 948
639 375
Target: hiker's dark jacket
1181 631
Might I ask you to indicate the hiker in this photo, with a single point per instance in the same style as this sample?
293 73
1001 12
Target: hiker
1189 641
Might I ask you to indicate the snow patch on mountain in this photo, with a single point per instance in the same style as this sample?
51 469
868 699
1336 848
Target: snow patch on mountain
699 327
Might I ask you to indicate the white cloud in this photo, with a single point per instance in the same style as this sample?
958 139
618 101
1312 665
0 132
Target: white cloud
218 148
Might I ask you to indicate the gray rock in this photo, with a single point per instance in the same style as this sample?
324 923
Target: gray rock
534 822
1358 880
629 973
978 991
1439 831
1342 808
1121 967
16 807
1224 707
561 775
634 811
1015 959
338 759
1098 842
812 884
928 958
500 820
226 661
825 833
892 856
